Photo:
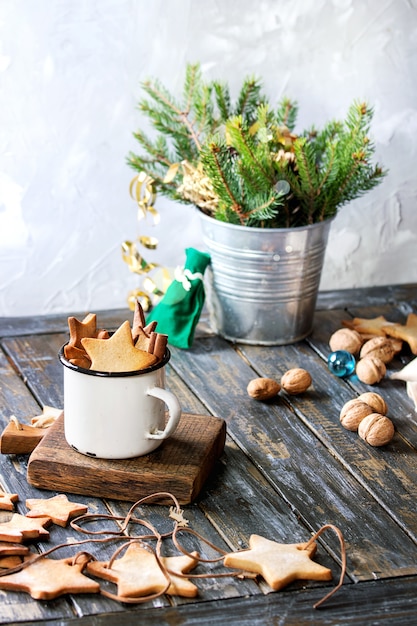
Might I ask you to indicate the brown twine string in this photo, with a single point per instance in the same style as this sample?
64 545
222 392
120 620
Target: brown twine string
197 557
127 519
36 557
179 547
343 558
178 527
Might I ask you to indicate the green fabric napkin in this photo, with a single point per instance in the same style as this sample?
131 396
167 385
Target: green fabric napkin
179 310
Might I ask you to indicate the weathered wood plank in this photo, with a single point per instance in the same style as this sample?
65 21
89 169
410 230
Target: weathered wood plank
37 381
368 296
58 323
294 460
180 465
389 602
286 469
236 497
389 473
15 398
35 357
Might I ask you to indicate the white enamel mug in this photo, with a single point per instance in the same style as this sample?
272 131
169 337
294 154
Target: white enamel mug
117 415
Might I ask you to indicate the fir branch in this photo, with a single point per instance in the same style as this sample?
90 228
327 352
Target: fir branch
203 108
330 169
192 79
241 141
215 166
306 164
159 95
222 95
246 148
158 150
286 114
249 99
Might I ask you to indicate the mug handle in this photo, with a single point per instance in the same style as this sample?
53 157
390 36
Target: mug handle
174 412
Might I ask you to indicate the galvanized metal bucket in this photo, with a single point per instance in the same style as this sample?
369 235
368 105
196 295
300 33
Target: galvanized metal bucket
262 284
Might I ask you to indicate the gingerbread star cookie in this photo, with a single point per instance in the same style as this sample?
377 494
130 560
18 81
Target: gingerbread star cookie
77 356
47 417
278 563
138 574
74 350
407 332
372 327
78 330
7 562
12 549
58 508
117 354
46 579
7 501
20 528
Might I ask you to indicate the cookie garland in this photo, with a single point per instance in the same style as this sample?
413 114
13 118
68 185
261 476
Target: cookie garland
168 574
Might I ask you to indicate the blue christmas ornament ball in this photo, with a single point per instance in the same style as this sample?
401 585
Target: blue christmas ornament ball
341 363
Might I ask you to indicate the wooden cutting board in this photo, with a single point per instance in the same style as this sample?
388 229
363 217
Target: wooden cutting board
179 466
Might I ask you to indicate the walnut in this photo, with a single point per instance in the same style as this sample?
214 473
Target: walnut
353 412
370 370
381 347
296 380
263 388
376 429
346 339
375 401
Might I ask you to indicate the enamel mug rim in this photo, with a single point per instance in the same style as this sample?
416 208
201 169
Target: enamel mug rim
89 372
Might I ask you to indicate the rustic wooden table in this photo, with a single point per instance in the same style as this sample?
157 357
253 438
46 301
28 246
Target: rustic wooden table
288 468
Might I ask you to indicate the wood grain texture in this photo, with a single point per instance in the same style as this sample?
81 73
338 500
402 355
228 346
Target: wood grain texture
287 467
22 440
180 465
294 459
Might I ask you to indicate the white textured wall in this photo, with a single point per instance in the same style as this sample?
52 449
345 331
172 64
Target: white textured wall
69 82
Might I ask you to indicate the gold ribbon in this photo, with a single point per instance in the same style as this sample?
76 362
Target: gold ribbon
142 191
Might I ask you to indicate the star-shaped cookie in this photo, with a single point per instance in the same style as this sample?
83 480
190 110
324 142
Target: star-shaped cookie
58 508
373 327
138 574
117 354
78 330
20 528
77 356
7 562
48 417
407 332
278 563
7 501
46 579
13 549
